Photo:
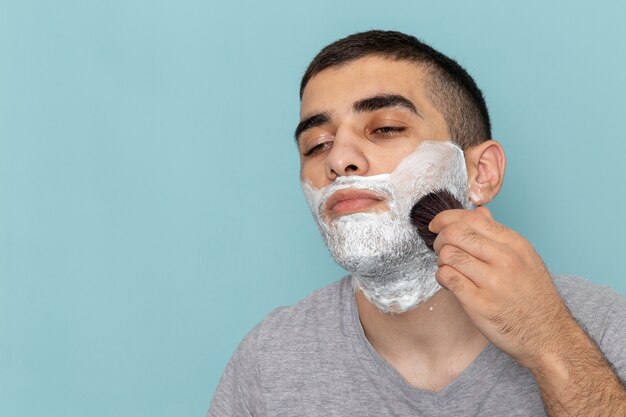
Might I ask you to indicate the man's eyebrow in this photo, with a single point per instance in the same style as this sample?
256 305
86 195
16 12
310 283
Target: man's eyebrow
383 101
367 104
311 122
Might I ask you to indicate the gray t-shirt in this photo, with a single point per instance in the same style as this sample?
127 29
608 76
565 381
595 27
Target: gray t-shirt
313 359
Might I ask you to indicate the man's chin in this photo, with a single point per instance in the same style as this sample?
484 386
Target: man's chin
397 293
360 264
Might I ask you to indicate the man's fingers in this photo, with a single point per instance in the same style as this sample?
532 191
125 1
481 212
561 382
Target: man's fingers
445 218
479 218
452 280
468 239
464 263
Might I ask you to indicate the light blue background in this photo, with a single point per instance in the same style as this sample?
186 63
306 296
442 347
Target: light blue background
150 210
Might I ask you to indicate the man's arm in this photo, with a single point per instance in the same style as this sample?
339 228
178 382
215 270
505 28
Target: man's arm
508 293
577 380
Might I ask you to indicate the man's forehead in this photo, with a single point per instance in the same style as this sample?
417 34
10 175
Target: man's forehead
338 88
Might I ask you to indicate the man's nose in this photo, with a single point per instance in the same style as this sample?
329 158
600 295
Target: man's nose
346 156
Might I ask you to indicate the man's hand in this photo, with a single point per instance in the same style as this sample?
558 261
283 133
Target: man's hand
508 293
501 282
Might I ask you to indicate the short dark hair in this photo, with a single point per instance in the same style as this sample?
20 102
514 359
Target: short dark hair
449 87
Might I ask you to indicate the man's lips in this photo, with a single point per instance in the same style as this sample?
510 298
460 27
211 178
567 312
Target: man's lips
352 201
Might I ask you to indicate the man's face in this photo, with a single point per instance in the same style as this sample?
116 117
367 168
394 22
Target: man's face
371 144
363 118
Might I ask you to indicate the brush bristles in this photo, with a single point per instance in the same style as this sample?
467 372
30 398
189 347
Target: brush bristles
425 210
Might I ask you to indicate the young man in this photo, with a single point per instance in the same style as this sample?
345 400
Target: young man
477 326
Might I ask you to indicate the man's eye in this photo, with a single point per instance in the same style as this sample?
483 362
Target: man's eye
389 130
318 148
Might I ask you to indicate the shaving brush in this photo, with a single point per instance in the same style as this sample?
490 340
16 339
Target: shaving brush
425 210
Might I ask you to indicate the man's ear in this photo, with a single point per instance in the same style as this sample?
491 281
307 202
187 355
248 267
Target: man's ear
485 171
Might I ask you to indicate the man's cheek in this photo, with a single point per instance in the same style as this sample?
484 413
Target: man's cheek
433 166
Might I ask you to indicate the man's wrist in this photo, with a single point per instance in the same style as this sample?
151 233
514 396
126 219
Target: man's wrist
563 342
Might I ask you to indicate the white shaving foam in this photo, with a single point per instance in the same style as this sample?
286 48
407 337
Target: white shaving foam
388 260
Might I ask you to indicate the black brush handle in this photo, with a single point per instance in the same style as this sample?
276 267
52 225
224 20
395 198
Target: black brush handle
425 210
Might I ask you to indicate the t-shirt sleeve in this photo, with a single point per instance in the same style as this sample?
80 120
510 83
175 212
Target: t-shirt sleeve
238 393
613 339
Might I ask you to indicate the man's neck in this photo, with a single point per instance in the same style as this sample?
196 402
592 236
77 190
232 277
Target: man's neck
429 345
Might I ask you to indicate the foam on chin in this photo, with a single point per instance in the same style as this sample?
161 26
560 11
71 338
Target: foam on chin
386 257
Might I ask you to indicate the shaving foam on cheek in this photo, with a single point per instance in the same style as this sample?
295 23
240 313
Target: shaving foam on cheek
388 260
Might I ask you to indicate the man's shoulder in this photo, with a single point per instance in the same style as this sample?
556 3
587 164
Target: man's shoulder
582 293
318 315
593 305
284 350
